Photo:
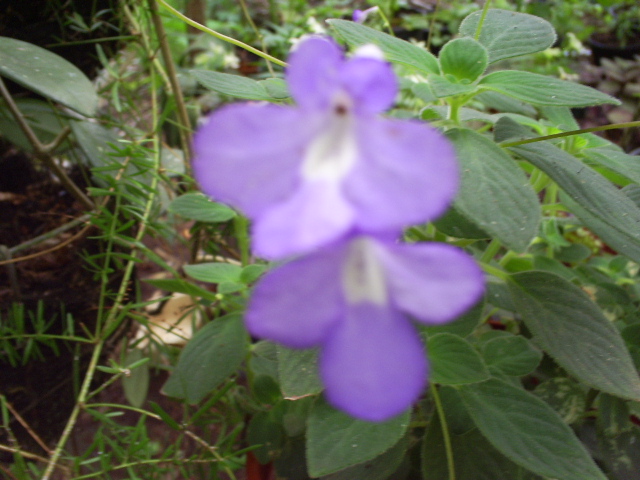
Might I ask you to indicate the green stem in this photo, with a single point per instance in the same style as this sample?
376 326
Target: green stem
496 272
491 251
114 312
247 15
485 9
570 133
241 226
220 36
445 432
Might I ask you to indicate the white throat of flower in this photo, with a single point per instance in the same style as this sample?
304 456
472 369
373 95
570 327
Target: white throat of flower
363 277
333 152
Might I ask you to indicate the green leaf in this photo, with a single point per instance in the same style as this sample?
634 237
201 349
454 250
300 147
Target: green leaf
464 58
214 272
543 90
454 224
336 441
597 202
276 88
265 429
474 457
528 431
507 34
447 87
196 206
232 85
380 468
215 352
511 355
298 372
181 286
48 74
565 396
620 162
45 121
495 193
571 329
461 326
454 361
395 50
136 384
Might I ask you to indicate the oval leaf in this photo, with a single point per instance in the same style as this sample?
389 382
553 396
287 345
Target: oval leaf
454 361
544 90
214 272
495 193
214 353
395 50
464 58
48 74
195 206
298 372
336 441
511 355
528 431
232 85
571 329
507 34
597 202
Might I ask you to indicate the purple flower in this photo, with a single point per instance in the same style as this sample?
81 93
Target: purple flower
330 166
359 16
352 300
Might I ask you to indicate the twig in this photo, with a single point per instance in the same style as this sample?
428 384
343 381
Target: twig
26 426
185 127
43 152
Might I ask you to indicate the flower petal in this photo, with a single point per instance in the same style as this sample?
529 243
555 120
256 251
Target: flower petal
297 303
247 156
408 174
316 215
371 84
373 364
433 282
313 72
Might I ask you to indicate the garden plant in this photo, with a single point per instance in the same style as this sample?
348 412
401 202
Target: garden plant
309 248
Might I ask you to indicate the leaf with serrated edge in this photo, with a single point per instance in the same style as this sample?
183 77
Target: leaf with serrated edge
508 34
529 432
214 353
395 49
454 361
572 329
336 441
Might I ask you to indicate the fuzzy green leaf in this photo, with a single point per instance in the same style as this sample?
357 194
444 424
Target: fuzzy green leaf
572 329
507 34
395 49
528 431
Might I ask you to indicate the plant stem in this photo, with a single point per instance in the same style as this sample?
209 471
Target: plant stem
485 9
185 124
220 36
491 251
445 432
570 133
44 152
